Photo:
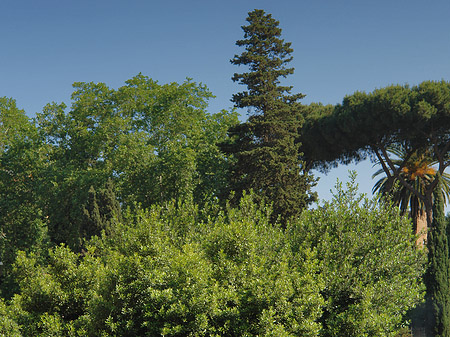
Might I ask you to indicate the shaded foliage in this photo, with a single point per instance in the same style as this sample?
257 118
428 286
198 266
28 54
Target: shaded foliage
438 273
349 131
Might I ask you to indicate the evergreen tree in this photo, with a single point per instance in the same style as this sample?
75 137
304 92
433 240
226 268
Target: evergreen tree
267 158
101 209
367 125
438 290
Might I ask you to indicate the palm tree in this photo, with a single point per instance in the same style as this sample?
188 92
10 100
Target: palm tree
418 171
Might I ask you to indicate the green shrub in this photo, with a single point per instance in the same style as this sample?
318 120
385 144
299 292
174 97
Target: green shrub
369 261
349 268
162 272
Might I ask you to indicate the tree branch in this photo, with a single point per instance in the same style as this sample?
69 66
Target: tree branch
383 164
440 156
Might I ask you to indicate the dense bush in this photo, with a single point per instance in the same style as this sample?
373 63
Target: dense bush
349 268
368 259
162 272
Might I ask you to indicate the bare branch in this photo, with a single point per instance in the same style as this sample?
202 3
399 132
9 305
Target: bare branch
440 157
383 164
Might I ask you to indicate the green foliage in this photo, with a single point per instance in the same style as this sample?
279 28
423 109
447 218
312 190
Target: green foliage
8 325
267 159
369 261
438 273
53 299
14 124
349 268
101 210
154 142
350 131
191 267
231 276
161 272
267 56
22 225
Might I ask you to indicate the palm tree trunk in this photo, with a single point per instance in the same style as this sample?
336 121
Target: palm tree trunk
421 228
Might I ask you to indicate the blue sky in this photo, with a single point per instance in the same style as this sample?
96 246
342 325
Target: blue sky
339 47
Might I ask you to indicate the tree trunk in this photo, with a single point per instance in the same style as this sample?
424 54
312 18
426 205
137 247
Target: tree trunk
421 228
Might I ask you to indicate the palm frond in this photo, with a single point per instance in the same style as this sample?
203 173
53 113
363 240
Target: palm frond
418 170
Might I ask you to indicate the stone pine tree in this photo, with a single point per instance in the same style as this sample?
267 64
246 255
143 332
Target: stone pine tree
367 125
437 278
267 159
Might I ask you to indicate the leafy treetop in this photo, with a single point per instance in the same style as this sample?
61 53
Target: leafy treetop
415 117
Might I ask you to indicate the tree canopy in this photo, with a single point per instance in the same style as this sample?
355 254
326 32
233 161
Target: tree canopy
65 175
416 116
267 159
154 143
365 125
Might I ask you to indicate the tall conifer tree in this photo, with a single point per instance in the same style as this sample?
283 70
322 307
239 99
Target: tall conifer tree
438 275
267 158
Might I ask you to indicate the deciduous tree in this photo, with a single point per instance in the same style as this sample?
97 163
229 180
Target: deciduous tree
155 142
22 224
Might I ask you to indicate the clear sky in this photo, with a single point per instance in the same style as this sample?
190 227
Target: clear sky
339 47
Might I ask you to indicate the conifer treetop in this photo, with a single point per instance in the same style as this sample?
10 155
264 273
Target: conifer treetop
266 56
